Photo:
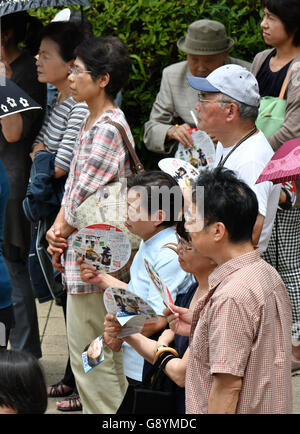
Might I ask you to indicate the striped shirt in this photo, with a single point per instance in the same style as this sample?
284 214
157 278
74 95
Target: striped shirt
60 129
242 328
100 156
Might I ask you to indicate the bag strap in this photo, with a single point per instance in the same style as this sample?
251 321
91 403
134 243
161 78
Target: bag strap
285 83
137 166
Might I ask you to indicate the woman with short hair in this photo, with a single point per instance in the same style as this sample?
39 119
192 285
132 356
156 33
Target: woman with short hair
281 29
100 70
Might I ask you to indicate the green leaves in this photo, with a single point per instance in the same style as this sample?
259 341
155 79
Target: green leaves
150 29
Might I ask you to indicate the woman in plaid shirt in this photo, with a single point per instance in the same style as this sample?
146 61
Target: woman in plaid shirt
100 70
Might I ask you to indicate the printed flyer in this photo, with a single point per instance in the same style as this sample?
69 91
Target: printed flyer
131 311
93 354
202 154
104 246
158 283
182 171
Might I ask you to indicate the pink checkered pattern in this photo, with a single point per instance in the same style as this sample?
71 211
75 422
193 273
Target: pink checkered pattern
243 328
100 157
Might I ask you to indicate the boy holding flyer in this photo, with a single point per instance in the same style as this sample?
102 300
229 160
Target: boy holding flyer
151 217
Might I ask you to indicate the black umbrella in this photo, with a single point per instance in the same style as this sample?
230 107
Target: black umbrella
13 99
11 6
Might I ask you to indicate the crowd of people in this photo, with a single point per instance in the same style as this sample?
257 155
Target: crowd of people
230 340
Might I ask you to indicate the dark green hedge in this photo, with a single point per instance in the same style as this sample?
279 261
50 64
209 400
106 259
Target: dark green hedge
151 28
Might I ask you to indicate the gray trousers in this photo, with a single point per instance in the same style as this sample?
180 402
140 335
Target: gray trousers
25 335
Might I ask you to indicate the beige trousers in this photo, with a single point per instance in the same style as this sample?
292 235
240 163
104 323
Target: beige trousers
103 388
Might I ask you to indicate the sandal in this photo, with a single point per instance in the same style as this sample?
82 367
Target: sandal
74 403
58 390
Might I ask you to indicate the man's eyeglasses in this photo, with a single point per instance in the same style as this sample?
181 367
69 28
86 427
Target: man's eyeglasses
185 245
75 70
203 100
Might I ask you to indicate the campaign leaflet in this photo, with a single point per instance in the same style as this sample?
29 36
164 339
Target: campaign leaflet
93 354
182 171
202 154
104 246
158 283
131 311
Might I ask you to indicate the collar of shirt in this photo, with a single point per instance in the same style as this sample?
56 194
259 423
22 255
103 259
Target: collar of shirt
222 271
219 275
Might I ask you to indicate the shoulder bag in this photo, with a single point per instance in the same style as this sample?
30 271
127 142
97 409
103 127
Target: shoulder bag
107 204
271 112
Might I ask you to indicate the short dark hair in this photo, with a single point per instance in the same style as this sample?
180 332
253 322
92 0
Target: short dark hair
229 200
22 383
156 183
26 29
288 11
106 55
182 232
66 35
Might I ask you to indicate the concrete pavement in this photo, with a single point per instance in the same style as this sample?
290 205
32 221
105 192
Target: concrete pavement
55 352
54 347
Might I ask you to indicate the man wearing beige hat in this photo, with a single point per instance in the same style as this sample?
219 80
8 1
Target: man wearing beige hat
207 47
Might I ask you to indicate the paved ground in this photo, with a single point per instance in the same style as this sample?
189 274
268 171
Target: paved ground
55 352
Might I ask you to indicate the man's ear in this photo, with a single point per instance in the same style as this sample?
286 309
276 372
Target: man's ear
232 111
218 231
158 217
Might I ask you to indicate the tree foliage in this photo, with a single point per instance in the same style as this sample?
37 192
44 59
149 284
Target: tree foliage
150 29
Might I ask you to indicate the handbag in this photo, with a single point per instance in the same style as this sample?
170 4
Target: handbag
45 279
108 204
156 396
271 111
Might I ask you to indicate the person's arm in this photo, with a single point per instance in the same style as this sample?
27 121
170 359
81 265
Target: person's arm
160 324
224 394
160 130
147 348
57 238
12 127
35 148
64 153
291 125
166 338
176 369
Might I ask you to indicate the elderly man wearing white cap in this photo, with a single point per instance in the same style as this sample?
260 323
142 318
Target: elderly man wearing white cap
228 101
207 47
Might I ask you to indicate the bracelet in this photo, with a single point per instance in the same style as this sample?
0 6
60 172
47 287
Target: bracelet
160 351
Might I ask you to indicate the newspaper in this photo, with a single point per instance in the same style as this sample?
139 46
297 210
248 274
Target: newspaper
104 246
202 154
131 311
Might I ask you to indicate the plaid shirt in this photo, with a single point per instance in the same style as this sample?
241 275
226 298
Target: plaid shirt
243 328
99 157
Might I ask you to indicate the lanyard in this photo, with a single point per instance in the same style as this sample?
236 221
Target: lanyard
222 161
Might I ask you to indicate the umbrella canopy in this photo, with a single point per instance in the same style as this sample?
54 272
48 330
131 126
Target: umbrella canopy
284 165
11 6
13 99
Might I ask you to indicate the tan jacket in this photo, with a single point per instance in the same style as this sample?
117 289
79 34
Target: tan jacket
291 126
175 96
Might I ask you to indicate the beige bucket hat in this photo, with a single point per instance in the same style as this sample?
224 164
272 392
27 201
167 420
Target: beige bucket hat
205 37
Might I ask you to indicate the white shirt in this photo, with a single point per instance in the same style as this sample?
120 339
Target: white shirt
165 262
248 161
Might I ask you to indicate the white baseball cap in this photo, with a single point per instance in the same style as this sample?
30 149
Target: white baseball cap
232 80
